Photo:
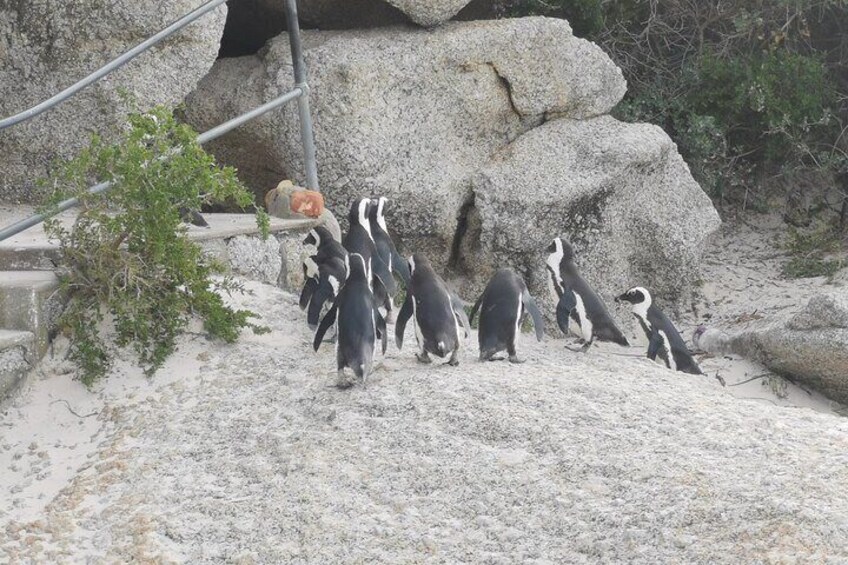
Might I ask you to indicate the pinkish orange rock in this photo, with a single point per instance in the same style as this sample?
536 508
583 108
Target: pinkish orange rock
307 202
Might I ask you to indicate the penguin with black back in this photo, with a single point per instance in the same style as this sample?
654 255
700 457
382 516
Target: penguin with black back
436 312
359 324
385 246
359 239
580 311
323 273
503 306
663 338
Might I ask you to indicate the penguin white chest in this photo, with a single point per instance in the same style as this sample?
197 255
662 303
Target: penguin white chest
671 363
584 329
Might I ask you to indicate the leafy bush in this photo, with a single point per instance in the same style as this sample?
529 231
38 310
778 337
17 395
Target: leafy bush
809 248
127 254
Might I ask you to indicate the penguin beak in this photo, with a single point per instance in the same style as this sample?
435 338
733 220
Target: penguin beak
620 298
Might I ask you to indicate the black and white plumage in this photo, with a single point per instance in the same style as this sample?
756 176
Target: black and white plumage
358 322
580 311
359 239
503 305
440 321
324 273
385 246
663 338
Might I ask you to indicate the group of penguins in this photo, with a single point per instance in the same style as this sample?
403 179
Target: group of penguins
355 278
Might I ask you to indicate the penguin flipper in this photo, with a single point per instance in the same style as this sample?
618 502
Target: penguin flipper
401 267
565 307
323 293
404 315
307 292
654 344
538 321
381 329
476 307
329 320
382 272
381 293
459 310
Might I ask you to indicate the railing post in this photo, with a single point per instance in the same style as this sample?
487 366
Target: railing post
306 136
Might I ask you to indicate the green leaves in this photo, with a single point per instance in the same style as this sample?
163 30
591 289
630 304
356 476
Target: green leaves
128 255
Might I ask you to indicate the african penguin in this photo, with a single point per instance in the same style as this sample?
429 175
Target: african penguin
358 323
323 270
436 312
663 338
580 311
385 246
360 239
503 305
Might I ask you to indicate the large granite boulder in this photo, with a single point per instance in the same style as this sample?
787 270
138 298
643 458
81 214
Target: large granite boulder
45 48
407 113
810 348
619 192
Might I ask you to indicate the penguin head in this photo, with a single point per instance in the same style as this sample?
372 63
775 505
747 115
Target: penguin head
355 267
638 296
317 235
417 261
378 211
359 212
561 250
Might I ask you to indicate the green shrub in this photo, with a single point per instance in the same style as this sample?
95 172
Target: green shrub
127 255
808 249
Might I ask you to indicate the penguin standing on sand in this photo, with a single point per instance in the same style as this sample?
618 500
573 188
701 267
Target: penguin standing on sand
436 312
358 323
580 311
359 239
323 273
663 338
503 306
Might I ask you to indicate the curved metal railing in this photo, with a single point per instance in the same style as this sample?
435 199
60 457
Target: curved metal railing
300 93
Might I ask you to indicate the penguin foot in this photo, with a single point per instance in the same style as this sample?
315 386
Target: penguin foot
454 360
515 360
342 382
423 358
492 358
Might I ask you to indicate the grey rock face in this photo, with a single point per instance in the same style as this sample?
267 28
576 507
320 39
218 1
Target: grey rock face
823 311
44 49
405 113
429 12
619 192
810 348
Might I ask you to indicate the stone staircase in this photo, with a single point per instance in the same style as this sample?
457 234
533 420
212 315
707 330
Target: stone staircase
31 300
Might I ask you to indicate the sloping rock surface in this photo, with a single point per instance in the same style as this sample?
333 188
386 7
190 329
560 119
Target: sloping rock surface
811 347
45 47
242 453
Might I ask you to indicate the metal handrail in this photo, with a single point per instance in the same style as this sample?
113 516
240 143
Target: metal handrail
213 133
300 92
112 65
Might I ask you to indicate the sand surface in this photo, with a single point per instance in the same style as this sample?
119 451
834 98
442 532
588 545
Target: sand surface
244 454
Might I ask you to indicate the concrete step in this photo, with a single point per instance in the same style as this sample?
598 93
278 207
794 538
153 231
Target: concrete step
30 301
17 357
31 250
